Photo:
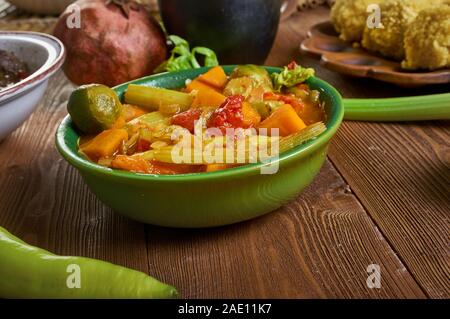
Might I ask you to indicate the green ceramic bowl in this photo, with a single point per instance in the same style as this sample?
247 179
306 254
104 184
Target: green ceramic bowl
204 199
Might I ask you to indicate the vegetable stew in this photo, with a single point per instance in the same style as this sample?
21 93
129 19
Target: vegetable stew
215 122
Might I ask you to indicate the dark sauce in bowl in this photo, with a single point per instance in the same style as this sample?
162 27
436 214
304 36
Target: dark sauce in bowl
12 69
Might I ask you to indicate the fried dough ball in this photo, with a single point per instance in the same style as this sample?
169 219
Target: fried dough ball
396 16
427 39
349 18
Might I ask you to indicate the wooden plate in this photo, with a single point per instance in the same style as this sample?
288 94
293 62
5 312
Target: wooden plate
342 57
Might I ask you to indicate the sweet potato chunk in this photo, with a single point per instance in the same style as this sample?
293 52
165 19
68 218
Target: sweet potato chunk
285 119
251 117
206 95
215 77
104 144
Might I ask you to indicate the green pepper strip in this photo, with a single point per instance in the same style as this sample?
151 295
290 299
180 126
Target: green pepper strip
31 272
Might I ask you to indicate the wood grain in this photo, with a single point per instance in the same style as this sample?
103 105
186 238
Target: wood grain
386 163
38 25
317 246
44 201
402 177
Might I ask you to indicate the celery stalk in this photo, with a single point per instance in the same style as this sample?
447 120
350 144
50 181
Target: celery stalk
308 133
151 98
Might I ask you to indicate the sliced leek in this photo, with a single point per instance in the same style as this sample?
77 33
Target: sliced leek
152 120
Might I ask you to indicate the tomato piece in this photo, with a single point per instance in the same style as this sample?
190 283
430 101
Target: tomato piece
290 99
292 65
270 96
229 114
142 145
187 119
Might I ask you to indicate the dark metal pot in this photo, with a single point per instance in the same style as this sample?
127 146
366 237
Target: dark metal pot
240 31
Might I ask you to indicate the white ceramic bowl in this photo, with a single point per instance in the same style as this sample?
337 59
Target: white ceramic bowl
42 6
44 55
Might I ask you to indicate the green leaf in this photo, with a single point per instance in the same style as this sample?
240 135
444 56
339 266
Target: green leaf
177 41
182 58
289 78
210 55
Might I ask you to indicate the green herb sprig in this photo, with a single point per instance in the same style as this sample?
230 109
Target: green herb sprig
183 58
291 76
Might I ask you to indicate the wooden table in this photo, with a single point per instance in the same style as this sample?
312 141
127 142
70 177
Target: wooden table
381 198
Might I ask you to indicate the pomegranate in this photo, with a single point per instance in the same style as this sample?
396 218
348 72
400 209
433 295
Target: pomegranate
117 41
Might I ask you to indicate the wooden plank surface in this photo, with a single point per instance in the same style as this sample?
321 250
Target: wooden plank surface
327 263
403 179
45 25
317 246
44 201
399 171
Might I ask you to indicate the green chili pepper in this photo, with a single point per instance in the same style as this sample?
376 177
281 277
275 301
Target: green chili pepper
31 272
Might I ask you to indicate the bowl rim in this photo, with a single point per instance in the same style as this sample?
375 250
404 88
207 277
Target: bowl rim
53 63
333 123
